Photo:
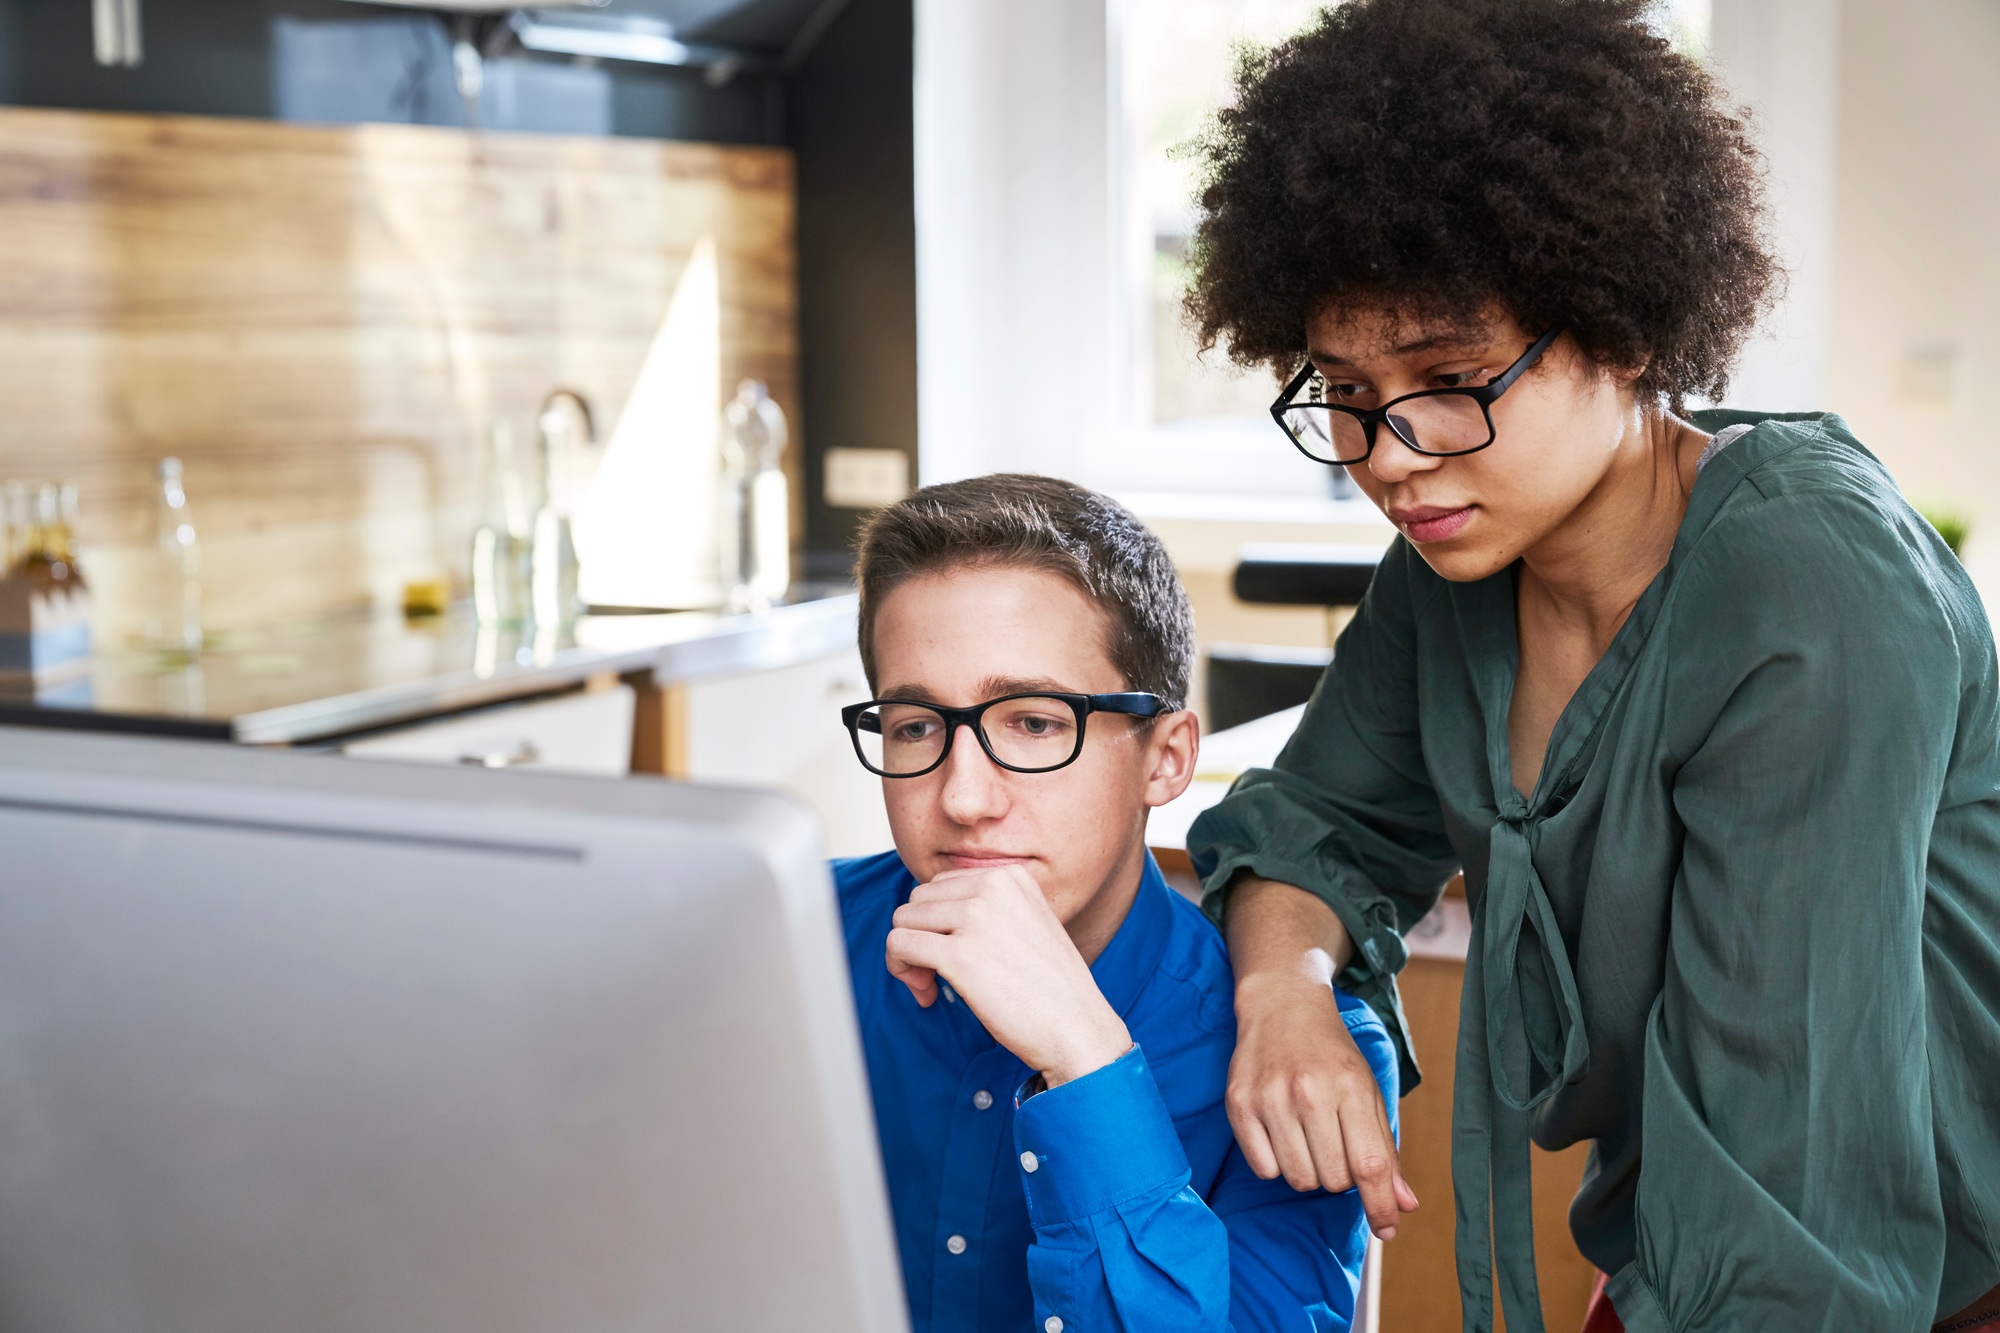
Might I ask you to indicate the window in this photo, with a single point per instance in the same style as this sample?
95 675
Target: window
1194 421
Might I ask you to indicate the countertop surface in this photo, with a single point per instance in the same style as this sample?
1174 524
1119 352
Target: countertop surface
313 680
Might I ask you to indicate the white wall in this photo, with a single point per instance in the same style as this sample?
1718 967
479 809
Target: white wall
1016 273
1915 323
1879 120
1782 59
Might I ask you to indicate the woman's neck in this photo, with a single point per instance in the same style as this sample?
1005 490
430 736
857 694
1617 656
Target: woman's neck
1591 571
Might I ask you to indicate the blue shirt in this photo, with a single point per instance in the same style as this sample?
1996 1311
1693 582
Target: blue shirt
1115 1201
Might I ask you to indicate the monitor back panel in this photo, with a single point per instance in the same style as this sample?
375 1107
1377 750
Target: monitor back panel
281 1049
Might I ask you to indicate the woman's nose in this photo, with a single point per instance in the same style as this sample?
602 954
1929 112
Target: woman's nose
1392 460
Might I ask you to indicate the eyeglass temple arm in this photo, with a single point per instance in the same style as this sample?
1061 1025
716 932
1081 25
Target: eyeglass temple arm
1520 367
1495 387
1298 382
1135 704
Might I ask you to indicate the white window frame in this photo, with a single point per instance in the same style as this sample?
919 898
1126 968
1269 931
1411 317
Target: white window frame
1028 324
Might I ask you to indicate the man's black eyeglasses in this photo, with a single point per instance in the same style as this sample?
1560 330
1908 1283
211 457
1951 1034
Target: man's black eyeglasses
1439 422
1024 733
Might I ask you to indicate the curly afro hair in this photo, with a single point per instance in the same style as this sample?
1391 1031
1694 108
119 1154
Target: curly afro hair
1554 159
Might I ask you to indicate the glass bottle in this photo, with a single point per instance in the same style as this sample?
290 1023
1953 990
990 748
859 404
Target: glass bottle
502 543
175 623
756 527
553 566
19 528
49 564
64 541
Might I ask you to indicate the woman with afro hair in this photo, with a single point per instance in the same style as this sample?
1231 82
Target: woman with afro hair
1705 712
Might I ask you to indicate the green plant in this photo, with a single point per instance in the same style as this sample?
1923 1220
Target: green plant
1953 527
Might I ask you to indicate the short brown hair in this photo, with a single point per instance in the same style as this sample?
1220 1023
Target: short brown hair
1013 520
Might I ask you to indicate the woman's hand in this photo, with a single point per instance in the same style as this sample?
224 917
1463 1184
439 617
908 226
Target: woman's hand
1302 1099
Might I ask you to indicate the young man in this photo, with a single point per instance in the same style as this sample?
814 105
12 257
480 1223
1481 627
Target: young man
1048 1026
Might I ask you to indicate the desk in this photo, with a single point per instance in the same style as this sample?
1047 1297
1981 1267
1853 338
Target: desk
1419 1293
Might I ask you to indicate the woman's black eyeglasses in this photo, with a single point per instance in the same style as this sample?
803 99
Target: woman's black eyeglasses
1439 422
1024 733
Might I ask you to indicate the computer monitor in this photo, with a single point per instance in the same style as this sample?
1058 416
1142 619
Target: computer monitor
292 1042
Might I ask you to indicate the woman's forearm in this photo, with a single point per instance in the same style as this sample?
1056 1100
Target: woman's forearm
1302 1098
1278 933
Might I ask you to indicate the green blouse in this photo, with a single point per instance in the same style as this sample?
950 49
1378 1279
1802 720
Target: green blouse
1744 935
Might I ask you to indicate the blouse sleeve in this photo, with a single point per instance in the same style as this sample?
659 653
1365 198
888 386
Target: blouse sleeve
1348 813
1789 1178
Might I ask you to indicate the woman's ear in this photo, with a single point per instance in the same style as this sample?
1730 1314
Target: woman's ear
1626 376
1171 752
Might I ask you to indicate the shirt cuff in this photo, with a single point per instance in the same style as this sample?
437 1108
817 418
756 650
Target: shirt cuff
1096 1141
1638 1309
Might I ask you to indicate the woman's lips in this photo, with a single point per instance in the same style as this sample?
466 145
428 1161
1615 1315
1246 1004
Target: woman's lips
1432 525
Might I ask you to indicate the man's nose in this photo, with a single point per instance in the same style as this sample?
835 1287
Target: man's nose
975 788
1393 460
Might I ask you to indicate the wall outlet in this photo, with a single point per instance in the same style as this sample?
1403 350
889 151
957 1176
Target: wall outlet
866 478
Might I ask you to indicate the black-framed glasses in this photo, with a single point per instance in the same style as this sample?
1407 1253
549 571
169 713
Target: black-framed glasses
1024 733
1439 422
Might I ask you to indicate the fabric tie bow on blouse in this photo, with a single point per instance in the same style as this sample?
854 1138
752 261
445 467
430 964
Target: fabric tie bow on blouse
1521 1038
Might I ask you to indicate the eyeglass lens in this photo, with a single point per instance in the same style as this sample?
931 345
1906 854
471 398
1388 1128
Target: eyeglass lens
1448 423
1028 733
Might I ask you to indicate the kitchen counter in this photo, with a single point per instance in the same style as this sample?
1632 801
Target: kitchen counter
313 681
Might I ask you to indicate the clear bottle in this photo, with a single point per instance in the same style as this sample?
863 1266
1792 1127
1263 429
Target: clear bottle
50 562
502 544
175 623
553 600
756 527
68 510
18 542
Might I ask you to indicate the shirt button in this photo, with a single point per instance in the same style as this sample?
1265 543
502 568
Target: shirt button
982 1099
950 995
1053 1323
1030 1163
956 1244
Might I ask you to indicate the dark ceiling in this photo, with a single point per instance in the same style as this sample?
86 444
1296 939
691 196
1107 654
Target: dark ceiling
757 25
767 24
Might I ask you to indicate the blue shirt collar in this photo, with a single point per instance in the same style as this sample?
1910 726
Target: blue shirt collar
1130 959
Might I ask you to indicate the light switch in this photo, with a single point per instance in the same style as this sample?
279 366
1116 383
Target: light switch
1929 375
866 478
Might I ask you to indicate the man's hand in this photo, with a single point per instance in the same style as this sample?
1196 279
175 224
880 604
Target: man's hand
992 936
1302 1099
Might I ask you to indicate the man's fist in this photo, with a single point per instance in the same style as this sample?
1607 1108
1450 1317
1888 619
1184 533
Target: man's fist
991 935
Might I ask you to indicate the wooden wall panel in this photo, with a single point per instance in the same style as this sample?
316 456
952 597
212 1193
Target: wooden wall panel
323 322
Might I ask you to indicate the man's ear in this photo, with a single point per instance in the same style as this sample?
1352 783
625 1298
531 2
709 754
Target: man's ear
1170 755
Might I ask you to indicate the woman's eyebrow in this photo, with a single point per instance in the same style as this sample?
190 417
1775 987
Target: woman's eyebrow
1436 342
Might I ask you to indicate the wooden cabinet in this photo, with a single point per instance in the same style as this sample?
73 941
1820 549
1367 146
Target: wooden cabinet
1419 1271
782 728
775 728
588 732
